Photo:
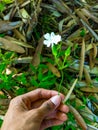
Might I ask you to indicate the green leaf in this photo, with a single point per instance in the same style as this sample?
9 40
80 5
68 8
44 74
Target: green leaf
68 51
57 127
59 46
61 53
47 84
50 60
54 50
2 35
1 121
82 33
34 82
40 75
22 79
96 78
8 55
2 67
2 6
81 107
42 66
33 68
48 77
3 96
21 91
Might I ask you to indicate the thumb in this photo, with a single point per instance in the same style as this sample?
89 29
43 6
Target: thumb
50 105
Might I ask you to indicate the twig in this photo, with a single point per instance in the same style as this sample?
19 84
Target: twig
82 59
70 91
78 117
90 29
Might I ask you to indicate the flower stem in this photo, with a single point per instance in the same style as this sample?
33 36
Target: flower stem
62 77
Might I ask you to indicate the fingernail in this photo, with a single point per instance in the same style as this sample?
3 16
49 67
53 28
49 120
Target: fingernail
56 100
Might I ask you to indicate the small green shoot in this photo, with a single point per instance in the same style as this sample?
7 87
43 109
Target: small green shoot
2 6
82 33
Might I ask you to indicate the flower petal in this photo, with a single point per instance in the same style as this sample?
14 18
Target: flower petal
47 43
47 36
51 39
57 39
52 34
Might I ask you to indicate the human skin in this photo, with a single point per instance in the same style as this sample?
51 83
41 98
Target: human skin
36 110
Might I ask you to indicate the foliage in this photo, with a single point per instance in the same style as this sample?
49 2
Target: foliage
82 33
4 78
2 35
2 6
38 79
7 1
1 121
42 79
58 53
76 55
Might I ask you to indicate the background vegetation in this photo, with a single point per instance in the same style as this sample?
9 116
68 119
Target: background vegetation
27 64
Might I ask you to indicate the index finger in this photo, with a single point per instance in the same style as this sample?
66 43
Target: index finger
40 94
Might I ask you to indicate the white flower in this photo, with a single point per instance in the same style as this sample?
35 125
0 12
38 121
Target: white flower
51 39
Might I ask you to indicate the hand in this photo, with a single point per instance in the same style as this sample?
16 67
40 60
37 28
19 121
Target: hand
36 110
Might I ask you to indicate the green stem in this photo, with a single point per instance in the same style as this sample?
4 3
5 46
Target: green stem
62 77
